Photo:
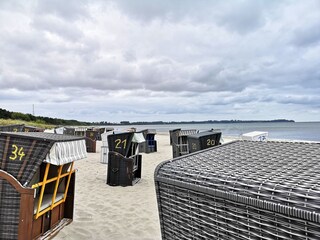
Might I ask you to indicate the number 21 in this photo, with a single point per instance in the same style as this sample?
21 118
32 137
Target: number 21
119 143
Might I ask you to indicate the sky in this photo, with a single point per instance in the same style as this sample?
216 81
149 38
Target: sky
161 60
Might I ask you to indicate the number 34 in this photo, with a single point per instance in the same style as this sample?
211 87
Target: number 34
17 152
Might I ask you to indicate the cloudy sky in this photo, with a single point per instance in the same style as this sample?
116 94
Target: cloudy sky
169 60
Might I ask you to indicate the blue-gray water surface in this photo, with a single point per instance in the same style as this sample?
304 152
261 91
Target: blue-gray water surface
306 131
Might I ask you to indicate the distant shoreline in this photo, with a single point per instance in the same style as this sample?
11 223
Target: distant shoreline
194 122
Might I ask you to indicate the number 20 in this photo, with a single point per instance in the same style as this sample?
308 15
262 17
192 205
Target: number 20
210 142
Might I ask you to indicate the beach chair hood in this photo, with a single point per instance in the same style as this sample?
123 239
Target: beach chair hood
138 138
21 154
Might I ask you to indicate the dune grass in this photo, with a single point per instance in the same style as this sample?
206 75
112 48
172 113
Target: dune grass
33 124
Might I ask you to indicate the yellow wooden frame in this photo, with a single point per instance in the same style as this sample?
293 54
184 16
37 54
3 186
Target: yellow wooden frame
46 181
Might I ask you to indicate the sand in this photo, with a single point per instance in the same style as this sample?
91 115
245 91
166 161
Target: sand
114 212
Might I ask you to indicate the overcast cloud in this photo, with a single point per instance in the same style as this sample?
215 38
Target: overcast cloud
167 60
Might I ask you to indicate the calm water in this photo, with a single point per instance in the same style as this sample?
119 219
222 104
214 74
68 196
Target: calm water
309 131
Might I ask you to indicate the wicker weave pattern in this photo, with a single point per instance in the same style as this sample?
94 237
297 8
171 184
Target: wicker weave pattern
23 170
242 190
188 214
9 211
44 136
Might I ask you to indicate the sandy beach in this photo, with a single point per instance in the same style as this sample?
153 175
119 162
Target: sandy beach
114 212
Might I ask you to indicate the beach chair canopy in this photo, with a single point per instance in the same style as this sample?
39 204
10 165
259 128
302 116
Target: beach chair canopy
21 154
187 132
148 131
59 130
122 142
12 128
138 138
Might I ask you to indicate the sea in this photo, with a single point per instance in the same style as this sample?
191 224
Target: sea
298 131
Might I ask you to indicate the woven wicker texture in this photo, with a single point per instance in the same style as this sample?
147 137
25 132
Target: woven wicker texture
120 143
22 167
242 190
9 211
12 128
50 137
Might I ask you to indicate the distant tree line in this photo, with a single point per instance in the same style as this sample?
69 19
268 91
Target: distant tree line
31 118
4 114
191 122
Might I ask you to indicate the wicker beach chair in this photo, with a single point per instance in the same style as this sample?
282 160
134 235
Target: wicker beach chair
37 182
241 190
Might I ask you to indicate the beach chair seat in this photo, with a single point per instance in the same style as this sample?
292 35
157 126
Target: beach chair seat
123 171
